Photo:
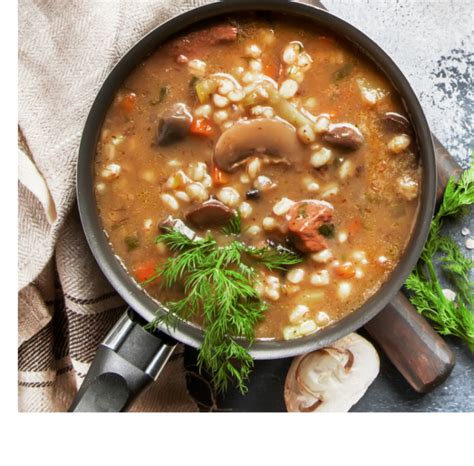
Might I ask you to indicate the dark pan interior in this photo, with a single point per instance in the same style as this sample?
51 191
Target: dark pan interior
138 299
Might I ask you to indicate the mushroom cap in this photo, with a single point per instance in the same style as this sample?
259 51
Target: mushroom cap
396 122
262 136
344 136
173 124
210 213
331 379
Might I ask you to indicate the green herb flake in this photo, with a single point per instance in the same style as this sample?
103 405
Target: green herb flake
164 91
131 242
302 211
448 317
342 72
327 230
234 227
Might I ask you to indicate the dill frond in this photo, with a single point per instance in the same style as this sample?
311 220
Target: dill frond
234 227
448 317
218 287
272 258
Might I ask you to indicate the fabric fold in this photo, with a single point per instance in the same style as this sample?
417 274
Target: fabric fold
65 304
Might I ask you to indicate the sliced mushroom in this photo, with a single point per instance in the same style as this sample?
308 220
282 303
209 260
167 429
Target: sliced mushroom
212 213
344 136
395 122
331 379
173 124
172 223
262 136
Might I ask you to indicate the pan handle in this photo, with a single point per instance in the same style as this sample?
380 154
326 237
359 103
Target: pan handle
416 350
127 361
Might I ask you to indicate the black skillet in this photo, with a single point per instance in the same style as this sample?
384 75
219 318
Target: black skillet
130 358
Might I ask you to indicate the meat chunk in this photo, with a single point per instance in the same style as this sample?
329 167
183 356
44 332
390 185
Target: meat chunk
222 33
211 213
173 124
305 218
344 136
191 45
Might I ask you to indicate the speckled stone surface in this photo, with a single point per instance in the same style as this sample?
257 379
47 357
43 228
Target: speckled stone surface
433 44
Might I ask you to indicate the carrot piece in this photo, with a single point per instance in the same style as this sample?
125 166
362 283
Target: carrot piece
202 127
218 176
128 102
271 69
354 226
345 270
145 271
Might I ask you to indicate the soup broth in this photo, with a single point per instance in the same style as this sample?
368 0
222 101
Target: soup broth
288 127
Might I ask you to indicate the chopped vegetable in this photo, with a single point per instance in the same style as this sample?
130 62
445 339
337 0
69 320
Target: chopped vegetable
193 81
164 91
327 230
271 69
342 72
219 178
128 102
219 286
286 109
145 271
202 127
454 317
346 270
204 88
131 242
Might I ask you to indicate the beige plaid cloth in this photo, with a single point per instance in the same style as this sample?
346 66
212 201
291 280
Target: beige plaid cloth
66 306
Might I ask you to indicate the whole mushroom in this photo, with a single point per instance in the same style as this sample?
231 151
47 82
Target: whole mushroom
331 379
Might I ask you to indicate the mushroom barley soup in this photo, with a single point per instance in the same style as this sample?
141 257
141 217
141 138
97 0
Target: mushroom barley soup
281 126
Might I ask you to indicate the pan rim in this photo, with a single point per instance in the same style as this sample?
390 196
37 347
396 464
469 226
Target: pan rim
111 265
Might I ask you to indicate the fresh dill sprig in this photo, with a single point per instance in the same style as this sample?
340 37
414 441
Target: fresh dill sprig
234 227
272 258
219 289
448 317
457 268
